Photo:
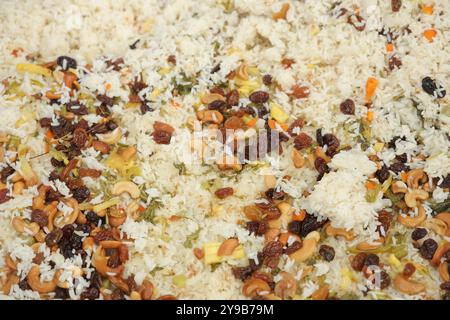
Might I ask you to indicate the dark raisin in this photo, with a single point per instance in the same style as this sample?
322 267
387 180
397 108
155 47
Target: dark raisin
446 182
296 245
114 259
403 158
77 108
327 252
96 280
295 227
319 137
242 273
4 195
357 262
91 293
111 125
116 64
223 193
56 163
6 172
321 166
145 108
382 174
428 248
172 59
267 79
394 62
371 260
92 217
53 237
81 194
40 217
302 140
409 270
103 235
259 97
23 285
398 167
217 105
385 219
275 195
83 228
332 143
80 138
105 100
66 63
396 5
162 137
218 90
347 107
52 195
61 293
430 87
445 286
419 233
258 228
271 253
45 122
117 295
384 280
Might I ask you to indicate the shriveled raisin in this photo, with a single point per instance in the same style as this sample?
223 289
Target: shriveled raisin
66 63
302 140
40 217
103 235
45 122
267 79
270 252
4 195
274 194
233 98
384 280
259 97
81 194
419 233
385 219
295 126
327 252
53 237
319 137
162 137
218 90
321 166
80 138
6 172
409 270
117 295
371 260
242 273
332 143
398 167
382 174
77 108
90 293
234 123
357 262
394 62
296 245
223 193
300 92
218 105
105 100
61 293
428 248
445 286
396 5
347 107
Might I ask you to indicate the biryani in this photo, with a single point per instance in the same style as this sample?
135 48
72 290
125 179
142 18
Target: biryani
247 149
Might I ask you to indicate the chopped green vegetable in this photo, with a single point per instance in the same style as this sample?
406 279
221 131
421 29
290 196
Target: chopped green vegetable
191 238
149 212
441 206
181 168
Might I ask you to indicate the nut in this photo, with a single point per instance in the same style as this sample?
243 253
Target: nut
18 188
270 181
438 226
242 72
134 295
253 213
412 222
210 116
255 286
440 251
12 280
227 247
228 162
100 262
146 290
408 286
126 187
88 244
35 282
414 176
286 287
211 97
39 200
271 234
445 216
412 196
51 209
399 187
334 232
111 137
365 246
22 226
61 219
116 217
321 293
308 248
443 271
298 159
128 153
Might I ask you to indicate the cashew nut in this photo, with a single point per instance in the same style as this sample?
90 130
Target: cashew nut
10 263
412 222
321 293
211 97
440 251
134 295
334 232
286 215
18 188
365 246
39 200
51 209
308 248
414 176
253 213
412 196
286 287
88 243
126 186
61 219
227 247
298 159
100 262
21 226
445 216
254 286
35 282
242 72
128 153
111 137
110 244
210 116
399 187
146 290
271 234
438 226
408 286
229 163
443 272
116 217
270 181
12 280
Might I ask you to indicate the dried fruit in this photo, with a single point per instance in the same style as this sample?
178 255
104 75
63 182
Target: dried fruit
327 252
300 92
302 140
430 87
357 262
428 248
259 97
223 193
40 217
80 138
66 62
396 5
419 233
347 107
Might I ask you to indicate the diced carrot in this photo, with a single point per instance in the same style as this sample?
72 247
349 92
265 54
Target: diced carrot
370 116
49 134
370 185
272 124
299 216
252 122
52 95
371 86
108 86
69 79
174 218
404 176
141 209
429 34
284 238
427 9
389 47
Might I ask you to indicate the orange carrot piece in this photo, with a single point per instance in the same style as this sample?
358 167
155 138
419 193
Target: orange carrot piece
370 116
429 34
370 185
52 95
49 134
427 9
69 79
389 47
272 124
404 176
252 122
371 86
299 216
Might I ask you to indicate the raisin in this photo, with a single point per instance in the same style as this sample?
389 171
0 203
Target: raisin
218 90
23 284
81 194
145 108
66 63
321 166
327 252
403 158
445 286
385 219
114 259
267 79
428 248
259 97
111 125
419 233
40 217
218 105
45 122
319 137
382 174
385 280
358 260
56 163
123 253
172 59
116 64
347 107
331 142
296 125
302 140
295 227
4 195
372 260
77 108
117 295
446 182
103 235
242 273
95 280
61 293
234 123
357 22
300 92
430 87
80 138
398 167
6 172
409 270
258 228
87 172
275 195
162 137
271 252
296 245
394 62
105 100
91 293
287 63
53 237
223 193
396 5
